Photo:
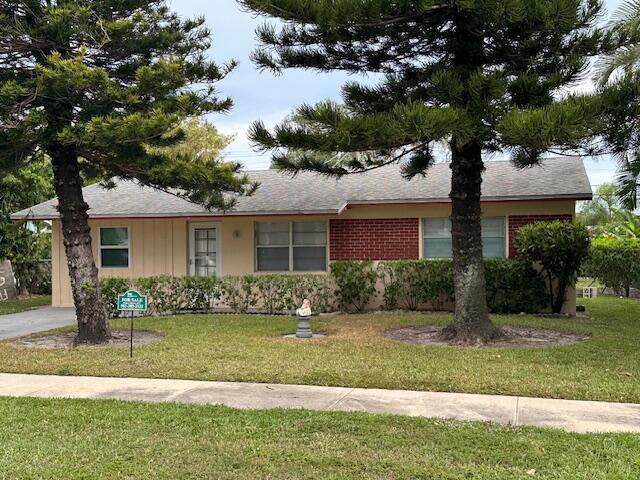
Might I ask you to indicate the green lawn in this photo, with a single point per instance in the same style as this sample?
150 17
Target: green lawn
24 304
250 348
51 439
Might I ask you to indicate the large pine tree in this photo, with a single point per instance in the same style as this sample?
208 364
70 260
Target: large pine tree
483 76
97 86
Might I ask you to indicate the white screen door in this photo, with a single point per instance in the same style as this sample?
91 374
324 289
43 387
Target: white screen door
204 249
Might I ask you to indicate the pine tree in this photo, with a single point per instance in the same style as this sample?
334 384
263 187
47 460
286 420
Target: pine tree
96 85
484 76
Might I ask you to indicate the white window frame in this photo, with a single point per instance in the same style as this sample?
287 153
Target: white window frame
505 232
290 246
114 247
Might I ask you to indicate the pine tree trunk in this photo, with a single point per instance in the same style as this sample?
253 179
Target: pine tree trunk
90 310
471 322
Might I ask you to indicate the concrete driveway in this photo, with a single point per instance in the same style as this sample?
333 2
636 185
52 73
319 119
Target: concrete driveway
33 321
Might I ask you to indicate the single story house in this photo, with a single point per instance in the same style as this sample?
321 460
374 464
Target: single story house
302 223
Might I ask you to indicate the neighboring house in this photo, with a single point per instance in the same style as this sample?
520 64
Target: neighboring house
302 223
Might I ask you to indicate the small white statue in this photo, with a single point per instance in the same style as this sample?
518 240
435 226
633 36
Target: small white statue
305 309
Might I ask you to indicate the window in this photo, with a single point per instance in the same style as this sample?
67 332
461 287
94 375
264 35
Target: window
291 246
114 247
437 237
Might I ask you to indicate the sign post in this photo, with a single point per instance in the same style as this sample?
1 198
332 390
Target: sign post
132 301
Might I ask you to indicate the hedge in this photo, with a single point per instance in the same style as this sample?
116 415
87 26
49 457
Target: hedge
513 286
274 293
615 262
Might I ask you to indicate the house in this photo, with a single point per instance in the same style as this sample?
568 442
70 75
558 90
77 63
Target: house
302 223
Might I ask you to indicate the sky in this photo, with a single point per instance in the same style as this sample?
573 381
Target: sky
268 97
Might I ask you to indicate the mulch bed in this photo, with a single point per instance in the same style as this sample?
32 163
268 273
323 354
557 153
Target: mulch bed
119 338
515 337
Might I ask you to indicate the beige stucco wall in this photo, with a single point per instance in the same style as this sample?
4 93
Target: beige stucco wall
160 246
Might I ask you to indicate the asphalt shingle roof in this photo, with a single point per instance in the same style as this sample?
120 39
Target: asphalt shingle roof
313 193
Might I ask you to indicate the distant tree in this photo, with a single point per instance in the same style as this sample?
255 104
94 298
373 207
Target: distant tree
619 77
93 84
483 76
25 244
599 211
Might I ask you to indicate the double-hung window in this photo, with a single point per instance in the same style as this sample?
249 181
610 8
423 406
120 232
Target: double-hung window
438 244
114 247
291 246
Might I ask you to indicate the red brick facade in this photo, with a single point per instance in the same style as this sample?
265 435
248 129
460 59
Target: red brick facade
517 221
374 239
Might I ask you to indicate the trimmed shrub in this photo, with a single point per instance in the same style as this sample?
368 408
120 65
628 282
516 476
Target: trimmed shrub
238 292
110 288
166 294
317 288
560 249
411 283
164 291
355 283
615 262
199 293
514 286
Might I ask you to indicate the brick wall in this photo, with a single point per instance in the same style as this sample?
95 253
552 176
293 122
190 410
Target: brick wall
374 239
517 221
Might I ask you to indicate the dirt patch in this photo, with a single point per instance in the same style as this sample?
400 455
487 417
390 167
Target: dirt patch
119 338
515 337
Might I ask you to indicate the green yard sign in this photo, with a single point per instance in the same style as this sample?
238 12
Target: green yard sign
132 301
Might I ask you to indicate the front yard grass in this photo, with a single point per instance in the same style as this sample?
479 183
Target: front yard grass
24 304
75 439
250 348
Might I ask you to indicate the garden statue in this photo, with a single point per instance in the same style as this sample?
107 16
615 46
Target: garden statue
304 315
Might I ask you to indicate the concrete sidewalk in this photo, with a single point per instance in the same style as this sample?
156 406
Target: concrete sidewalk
570 415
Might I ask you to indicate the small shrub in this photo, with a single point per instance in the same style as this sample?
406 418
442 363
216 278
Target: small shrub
199 293
437 283
411 283
514 286
317 288
110 288
355 283
560 248
274 292
164 293
238 292
615 262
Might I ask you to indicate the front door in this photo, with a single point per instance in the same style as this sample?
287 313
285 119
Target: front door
204 249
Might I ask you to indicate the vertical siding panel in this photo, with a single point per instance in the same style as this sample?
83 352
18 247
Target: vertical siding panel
180 249
137 248
159 242
149 248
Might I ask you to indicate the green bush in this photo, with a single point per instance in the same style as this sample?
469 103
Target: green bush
238 292
199 293
411 283
514 286
318 288
615 262
110 288
560 249
355 283
274 292
166 294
